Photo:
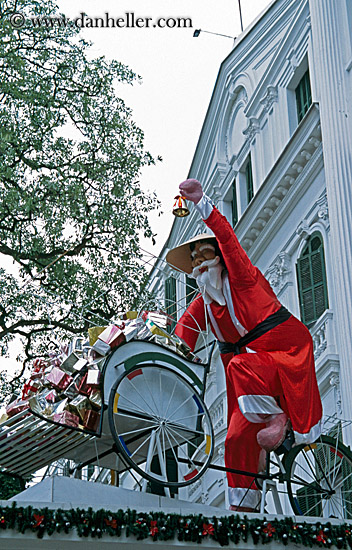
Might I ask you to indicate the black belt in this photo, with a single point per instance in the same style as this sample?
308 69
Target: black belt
270 322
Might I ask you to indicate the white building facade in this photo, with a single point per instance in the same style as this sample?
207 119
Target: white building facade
275 156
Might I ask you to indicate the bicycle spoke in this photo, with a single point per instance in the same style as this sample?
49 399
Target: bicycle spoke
141 445
139 409
141 396
151 394
137 430
132 414
188 441
171 398
184 453
181 405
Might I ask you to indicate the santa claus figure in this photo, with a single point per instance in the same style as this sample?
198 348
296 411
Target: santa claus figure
267 353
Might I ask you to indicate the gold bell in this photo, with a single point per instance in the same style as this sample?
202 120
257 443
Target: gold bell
180 207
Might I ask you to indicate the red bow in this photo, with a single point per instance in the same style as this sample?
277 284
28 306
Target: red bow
38 519
208 529
321 537
112 523
153 528
269 530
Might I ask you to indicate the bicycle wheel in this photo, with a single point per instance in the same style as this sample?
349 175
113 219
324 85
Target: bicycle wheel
158 421
319 479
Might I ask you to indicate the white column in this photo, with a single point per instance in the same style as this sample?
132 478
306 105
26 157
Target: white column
331 84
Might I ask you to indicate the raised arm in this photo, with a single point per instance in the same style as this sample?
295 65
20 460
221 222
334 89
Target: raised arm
240 268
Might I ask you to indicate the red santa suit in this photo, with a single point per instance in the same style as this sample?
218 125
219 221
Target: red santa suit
280 374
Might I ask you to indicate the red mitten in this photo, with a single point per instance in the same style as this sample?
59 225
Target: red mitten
191 190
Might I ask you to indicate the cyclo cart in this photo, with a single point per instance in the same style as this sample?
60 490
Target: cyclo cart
154 422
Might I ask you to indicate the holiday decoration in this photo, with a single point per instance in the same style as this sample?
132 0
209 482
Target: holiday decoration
66 386
179 208
161 527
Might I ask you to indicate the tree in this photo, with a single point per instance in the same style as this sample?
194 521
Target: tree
71 205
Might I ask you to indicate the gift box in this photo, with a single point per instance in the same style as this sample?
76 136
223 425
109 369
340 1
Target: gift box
58 378
94 333
91 420
160 318
79 405
73 364
130 315
52 396
95 399
30 388
67 418
82 386
17 406
93 378
110 338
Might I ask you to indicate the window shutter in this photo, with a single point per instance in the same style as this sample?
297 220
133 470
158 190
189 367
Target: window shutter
191 289
303 96
170 299
234 205
249 180
311 278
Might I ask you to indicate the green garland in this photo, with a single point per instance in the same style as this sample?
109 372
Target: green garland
160 526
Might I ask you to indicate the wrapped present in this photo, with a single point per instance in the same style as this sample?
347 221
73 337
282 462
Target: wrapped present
79 405
131 329
52 396
17 406
95 399
94 333
67 418
160 318
72 390
155 329
93 378
91 420
73 363
109 339
130 315
30 388
82 386
58 378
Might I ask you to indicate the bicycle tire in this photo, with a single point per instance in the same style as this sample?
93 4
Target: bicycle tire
319 479
137 403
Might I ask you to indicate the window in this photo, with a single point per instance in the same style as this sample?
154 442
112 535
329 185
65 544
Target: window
303 96
249 180
311 276
170 299
234 205
191 289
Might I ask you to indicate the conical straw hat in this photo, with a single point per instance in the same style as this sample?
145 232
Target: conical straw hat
180 257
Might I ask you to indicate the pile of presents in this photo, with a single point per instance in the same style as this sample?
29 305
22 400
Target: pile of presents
66 386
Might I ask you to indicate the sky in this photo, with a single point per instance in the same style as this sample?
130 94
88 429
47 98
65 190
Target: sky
179 74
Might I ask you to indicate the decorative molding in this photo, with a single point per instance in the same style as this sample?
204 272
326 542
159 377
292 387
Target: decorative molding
270 97
292 60
335 383
279 272
252 128
323 209
303 230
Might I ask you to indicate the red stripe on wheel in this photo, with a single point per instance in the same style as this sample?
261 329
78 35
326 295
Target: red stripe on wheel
134 374
191 475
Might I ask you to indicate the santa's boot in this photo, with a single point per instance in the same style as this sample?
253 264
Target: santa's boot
271 437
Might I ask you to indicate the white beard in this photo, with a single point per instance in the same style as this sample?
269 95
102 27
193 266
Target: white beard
210 281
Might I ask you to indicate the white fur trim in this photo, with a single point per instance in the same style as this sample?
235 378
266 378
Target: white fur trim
309 437
218 333
204 207
227 294
239 496
253 405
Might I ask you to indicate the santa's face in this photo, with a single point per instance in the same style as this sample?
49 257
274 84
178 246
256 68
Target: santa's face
202 252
